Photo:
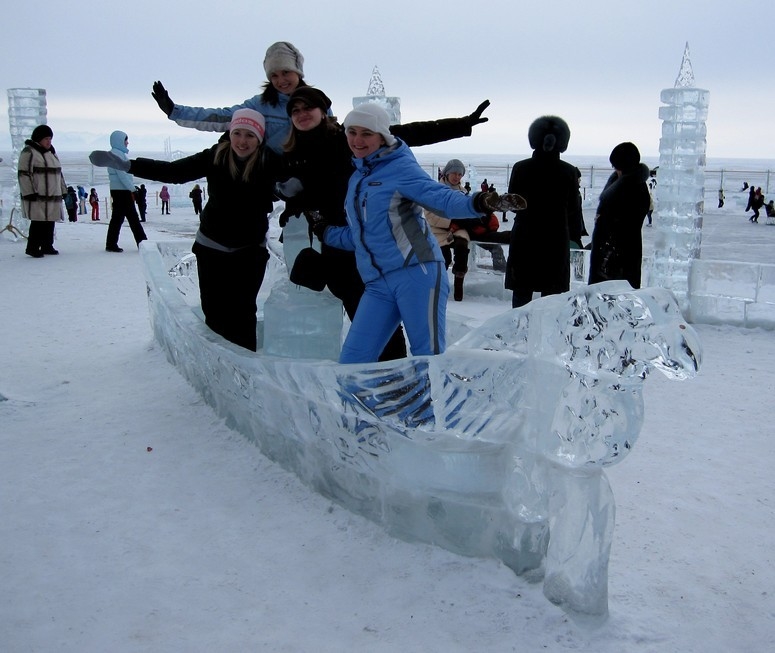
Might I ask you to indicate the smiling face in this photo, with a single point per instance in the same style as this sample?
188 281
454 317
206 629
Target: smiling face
305 117
363 141
243 142
454 178
285 81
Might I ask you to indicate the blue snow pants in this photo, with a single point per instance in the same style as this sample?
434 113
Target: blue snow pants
415 295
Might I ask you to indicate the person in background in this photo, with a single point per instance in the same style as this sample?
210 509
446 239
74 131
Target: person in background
284 68
652 186
122 187
196 198
757 202
580 228
751 197
141 199
42 187
82 195
484 186
454 235
617 244
94 202
164 196
467 188
398 257
71 204
720 201
440 226
318 163
539 250
230 245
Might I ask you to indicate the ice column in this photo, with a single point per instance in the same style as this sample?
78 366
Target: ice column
298 322
681 182
26 110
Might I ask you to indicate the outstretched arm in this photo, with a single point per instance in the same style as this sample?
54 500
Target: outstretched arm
416 134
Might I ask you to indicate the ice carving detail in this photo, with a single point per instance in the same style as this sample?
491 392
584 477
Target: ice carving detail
495 448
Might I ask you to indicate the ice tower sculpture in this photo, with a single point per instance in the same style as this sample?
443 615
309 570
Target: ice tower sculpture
681 183
26 110
376 93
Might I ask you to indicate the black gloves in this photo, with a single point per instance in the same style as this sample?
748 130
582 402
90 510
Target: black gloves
162 98
476 117
492 202
317 223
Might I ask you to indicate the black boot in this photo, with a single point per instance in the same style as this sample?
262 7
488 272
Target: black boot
458 289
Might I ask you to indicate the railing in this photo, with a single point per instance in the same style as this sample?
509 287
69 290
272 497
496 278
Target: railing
593 178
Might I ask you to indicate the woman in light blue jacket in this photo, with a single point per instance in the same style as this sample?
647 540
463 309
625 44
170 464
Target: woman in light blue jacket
397 256
284 68
122 185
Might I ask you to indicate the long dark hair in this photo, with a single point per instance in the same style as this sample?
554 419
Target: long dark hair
270 96
328 123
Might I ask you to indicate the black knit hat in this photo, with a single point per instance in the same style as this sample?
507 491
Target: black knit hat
40 132
311 96
625 157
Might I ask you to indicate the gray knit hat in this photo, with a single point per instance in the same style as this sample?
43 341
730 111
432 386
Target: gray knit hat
283 56
371 116
454 165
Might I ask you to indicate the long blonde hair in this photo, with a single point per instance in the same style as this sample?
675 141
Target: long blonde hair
224 155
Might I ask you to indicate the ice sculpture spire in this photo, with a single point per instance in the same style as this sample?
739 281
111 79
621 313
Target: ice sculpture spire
686 74
376 93
26 110
680 190
376 87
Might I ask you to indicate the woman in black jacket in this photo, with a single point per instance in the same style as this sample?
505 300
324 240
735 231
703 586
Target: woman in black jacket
230 246
315 170
617 244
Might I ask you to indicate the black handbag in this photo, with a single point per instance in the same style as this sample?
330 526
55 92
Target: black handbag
308 270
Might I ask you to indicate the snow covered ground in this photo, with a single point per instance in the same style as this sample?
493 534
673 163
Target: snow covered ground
133 519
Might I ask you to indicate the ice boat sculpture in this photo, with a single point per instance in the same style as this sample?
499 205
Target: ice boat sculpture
495 448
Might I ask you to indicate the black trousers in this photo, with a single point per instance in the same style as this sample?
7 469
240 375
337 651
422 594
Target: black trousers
40 237
228 286
123 207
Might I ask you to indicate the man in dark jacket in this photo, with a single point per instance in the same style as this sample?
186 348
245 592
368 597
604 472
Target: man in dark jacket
539 252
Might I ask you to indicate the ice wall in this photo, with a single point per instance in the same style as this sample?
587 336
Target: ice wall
26 110
681 182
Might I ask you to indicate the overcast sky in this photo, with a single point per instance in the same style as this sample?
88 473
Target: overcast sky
600 64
